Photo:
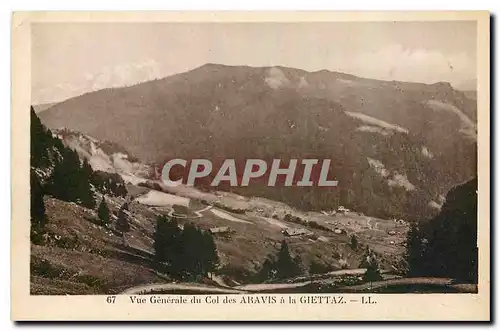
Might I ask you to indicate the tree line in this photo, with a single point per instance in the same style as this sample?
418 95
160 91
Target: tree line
184 252
283 265
57 170
446 246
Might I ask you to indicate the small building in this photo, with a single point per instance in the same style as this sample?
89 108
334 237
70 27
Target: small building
222 230
342 209
339 231
392 232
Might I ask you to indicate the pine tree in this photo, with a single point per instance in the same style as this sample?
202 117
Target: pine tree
108 183
122 223
85 178
318 268
167 244
69 180
189 252
41 139
160 239
192 245
369 261
267 271
103 212
210 256
86 170
286 267
280 267
37 209
414 251
354 242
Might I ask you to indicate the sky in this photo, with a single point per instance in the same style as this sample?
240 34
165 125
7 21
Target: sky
70 59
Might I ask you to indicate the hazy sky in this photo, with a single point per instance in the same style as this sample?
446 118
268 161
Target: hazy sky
73 58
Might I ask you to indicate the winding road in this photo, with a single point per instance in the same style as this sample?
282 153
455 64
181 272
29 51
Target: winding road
413 281
198 213
163 287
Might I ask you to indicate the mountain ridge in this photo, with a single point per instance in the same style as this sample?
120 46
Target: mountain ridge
465 87
220 112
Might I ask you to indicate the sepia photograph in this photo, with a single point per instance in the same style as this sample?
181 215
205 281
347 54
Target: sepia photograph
246 159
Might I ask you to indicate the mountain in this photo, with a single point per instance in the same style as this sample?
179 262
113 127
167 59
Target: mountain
43 106
449 245
118 248
469 88
79 248
471 94
104 156
467 85
396 147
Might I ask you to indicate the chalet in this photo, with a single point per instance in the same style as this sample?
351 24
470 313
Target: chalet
222 230
342 209
339 231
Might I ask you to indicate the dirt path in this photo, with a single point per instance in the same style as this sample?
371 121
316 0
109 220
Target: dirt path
302 281
198 213
249 288
370 226
219 280
157 198
369 223
274 222
267 287
164 287
445 282
227 216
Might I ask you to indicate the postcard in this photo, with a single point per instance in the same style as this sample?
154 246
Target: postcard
251 166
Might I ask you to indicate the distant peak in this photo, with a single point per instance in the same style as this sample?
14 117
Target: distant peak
445 85
214 65
211 65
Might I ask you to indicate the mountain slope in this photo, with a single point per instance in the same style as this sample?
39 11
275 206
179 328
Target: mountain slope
43 106
451 247
395 146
